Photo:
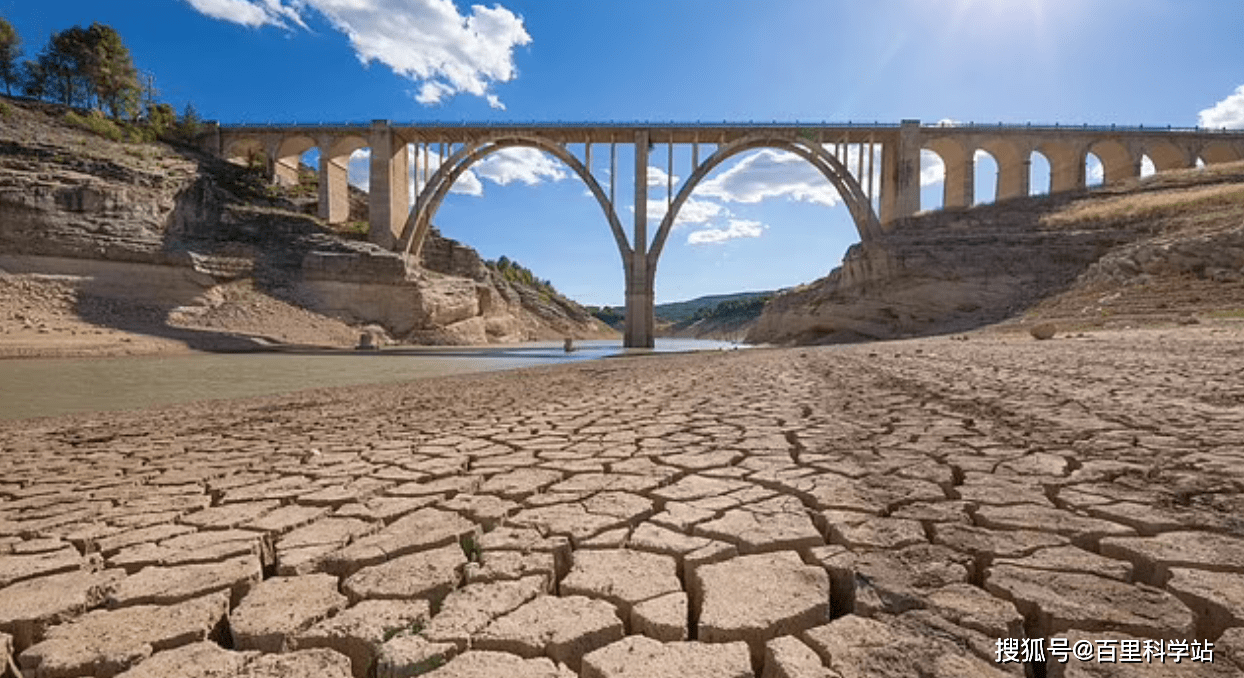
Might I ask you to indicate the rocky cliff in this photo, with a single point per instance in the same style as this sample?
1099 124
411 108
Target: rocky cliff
1172 243
169 230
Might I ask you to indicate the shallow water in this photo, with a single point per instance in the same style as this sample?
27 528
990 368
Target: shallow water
49 387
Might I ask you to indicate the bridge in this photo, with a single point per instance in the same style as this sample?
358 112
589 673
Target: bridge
875 168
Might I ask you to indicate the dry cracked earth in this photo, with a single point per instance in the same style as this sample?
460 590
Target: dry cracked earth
883 510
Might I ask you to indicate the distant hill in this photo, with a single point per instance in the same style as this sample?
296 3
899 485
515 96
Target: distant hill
681 311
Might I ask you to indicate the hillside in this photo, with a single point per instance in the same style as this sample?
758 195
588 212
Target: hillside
109 247
681 311
1163 249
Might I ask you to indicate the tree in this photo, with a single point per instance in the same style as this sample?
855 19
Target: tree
162 118
188 128
65 63
10 50
34 80
110 70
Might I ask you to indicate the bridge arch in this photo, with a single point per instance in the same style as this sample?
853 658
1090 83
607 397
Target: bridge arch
1012 181
1066 165
429 200
1218 152
288 157
1118 162
241 150
857 202
959 172
334 170
1039 166
1167 156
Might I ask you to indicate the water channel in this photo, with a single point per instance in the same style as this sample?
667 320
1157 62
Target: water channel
50 387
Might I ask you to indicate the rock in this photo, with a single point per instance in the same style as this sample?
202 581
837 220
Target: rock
405 656
758 597
319 663
1072 559
28 608
860 532
873 582
163 585
787 657
621 577
426 575
1043 331
359 632
778 524
1155 556
662 618
640 657
1082 531
564 628
203 659
1058 601
277 609
973 608
467 611
881 648
15 568
423 530
104 643
485 664
302 550
1216 598
497 566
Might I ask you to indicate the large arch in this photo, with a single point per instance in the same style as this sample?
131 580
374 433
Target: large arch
429 199
858 203
242 150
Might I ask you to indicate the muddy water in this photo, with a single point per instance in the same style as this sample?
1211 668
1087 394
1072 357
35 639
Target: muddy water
43 387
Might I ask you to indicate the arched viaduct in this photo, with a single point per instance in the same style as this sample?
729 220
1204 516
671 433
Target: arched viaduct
875 169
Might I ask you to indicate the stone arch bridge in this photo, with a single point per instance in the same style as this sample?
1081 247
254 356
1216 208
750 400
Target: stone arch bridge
875 168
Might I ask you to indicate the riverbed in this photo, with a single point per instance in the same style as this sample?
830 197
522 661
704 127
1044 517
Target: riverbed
50 387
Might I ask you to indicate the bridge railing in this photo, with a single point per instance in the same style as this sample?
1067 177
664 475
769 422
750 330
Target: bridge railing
727 124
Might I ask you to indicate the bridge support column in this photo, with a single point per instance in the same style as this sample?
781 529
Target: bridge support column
638 331
1012 180
960 189
389 190
334 186
900 174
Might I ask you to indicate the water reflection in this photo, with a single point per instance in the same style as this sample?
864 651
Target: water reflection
34 388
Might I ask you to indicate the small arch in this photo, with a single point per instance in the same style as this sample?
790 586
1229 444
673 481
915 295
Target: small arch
1218 152
1147 167
1012 171
246 151
429 200
288 158
1117 162
1066 165
839 177
1094 171
1039 175
958 179
1166 156
988 176
933 172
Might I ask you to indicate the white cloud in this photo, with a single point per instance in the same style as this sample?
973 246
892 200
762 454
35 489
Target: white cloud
425 40
1096 173
692 211
738 228
657 178
932 169
238 11
770 174
530 166
1226 113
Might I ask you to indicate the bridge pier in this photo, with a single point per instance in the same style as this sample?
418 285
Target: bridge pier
900 174
388 194
334 186
640 297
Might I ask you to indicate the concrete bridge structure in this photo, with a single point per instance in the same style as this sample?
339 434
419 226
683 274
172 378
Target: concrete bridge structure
875 168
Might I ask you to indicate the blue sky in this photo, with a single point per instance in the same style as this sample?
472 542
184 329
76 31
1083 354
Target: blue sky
762 221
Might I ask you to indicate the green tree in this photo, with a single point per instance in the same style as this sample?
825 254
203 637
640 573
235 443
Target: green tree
189 126
65 63
34 80
110 70
10 50
162 118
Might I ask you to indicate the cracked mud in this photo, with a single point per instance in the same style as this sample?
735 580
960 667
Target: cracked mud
877 510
